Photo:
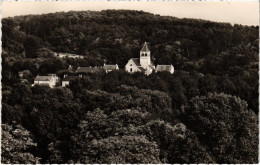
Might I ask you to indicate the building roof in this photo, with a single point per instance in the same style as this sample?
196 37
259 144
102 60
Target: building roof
43 78
52 74
70 78
24 81
110 67
24 72
141 69
145 48
87 69
136 61
163 68
70 67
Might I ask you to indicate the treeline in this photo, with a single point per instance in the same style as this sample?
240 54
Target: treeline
117 35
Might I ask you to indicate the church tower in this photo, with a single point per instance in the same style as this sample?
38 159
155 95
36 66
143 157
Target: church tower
145 56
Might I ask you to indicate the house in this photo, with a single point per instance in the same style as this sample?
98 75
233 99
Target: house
70 68
24 73
143 64
25 81
66 80
45 80
109 68
84 70
68 55
57 79
167 68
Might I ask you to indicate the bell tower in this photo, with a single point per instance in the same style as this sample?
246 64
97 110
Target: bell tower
145 56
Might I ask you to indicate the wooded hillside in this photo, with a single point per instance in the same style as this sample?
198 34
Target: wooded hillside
206 112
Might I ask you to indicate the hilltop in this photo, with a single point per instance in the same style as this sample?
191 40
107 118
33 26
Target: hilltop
116 35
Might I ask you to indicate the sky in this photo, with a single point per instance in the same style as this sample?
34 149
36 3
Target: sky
234 12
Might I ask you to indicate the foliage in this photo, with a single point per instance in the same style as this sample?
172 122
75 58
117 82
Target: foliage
15 145
225 125
125 149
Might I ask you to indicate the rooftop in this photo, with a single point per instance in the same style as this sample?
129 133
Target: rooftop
87 69
110 67
136 61
145 48
141 69
70 78
43 78
24 72
163 67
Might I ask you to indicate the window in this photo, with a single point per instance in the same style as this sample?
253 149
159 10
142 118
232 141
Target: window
130 64
145 54
131 70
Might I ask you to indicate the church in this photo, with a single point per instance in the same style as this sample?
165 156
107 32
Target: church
144 63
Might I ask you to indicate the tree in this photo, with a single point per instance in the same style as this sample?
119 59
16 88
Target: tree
113 139
11 114
101 139
31 46
177 143
21 94
224 124
16 145
117 149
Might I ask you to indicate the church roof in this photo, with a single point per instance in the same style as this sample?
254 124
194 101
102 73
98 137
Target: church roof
145 48
141 69
163 68
136 61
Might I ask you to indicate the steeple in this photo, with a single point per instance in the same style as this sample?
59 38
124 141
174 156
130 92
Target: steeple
145 48
145 56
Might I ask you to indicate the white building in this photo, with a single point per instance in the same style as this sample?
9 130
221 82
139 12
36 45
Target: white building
45 80
57 79
167 68
68 55
142 64
109 68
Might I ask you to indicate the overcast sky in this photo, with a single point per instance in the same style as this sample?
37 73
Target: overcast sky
243 12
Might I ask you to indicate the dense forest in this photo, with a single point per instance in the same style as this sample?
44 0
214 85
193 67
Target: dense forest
206 112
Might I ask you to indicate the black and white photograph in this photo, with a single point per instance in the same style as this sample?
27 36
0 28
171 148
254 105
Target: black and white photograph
130 82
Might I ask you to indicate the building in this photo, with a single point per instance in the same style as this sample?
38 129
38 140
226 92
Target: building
25 81
109 68
70 68
67 79
68 55
57 79
45 80
83 70
143 64
167 68
24 73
